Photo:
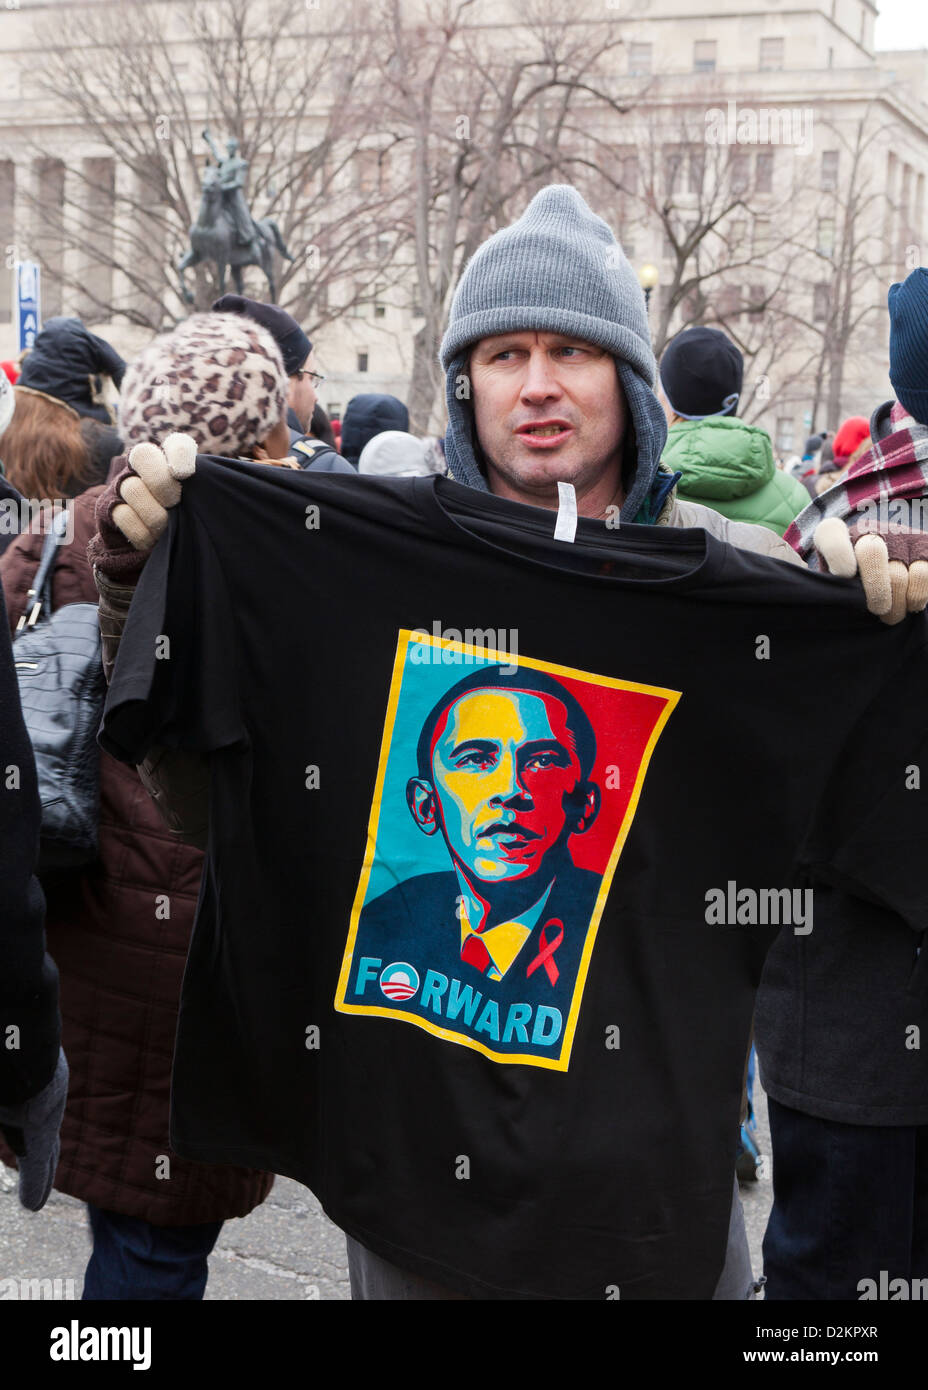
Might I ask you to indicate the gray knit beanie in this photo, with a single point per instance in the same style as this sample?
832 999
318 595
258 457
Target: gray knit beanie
558 269
219 377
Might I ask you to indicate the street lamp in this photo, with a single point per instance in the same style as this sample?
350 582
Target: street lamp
648 277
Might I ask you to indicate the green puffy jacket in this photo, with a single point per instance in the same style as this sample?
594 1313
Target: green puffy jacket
728 465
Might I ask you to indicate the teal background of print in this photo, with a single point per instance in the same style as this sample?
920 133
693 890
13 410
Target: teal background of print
402 849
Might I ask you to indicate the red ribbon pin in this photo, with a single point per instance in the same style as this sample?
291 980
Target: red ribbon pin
547 951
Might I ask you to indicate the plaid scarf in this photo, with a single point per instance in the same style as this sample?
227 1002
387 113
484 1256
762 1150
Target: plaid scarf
892 468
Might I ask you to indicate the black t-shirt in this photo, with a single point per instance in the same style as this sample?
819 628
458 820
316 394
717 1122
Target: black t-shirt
501 829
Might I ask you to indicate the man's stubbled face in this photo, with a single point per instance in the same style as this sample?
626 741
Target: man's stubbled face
548 409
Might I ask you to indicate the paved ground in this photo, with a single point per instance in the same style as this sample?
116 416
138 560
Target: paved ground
756 1198
285 1249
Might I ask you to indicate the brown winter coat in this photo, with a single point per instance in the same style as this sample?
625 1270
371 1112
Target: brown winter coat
121 960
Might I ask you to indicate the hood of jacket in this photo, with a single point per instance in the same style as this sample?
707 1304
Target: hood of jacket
366 416
719 457
69 362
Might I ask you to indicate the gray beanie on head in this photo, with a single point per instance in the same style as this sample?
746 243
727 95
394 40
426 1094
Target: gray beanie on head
558 269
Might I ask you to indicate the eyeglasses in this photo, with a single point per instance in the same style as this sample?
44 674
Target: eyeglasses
317 377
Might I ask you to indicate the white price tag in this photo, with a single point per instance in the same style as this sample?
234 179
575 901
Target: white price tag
566 526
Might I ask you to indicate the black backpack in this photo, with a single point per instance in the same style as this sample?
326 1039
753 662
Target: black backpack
61 688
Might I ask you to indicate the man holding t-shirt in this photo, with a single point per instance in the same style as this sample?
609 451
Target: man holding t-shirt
549 380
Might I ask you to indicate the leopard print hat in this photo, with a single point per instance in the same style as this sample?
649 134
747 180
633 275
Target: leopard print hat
219 377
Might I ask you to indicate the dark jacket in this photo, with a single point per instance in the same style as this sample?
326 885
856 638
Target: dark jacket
103 444
368 415
881 425
119 933
293 423
833 1012
314 454
69 362
28 978
834 1008
728 465
10 513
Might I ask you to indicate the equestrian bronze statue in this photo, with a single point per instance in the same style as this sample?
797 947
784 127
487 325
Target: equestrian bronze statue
225 231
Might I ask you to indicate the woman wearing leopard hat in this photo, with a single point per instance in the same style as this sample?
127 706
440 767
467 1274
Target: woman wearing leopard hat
119 929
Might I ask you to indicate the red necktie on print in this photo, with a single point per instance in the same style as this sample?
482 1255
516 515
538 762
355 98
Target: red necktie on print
475 953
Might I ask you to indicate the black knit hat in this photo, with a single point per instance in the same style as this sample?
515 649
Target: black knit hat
908 343
69 363
294 345
702 373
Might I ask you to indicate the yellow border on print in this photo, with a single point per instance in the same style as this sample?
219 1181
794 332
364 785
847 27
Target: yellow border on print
670 698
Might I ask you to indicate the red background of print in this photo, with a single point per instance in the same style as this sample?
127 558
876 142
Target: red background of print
623 721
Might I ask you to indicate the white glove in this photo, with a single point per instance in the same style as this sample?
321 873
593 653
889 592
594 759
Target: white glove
893 565
152 487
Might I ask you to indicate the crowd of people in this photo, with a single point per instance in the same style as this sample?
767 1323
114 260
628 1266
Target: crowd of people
559 393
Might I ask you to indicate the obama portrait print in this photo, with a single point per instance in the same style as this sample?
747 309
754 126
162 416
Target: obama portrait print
504 793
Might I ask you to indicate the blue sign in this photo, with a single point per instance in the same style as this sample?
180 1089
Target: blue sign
27 292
